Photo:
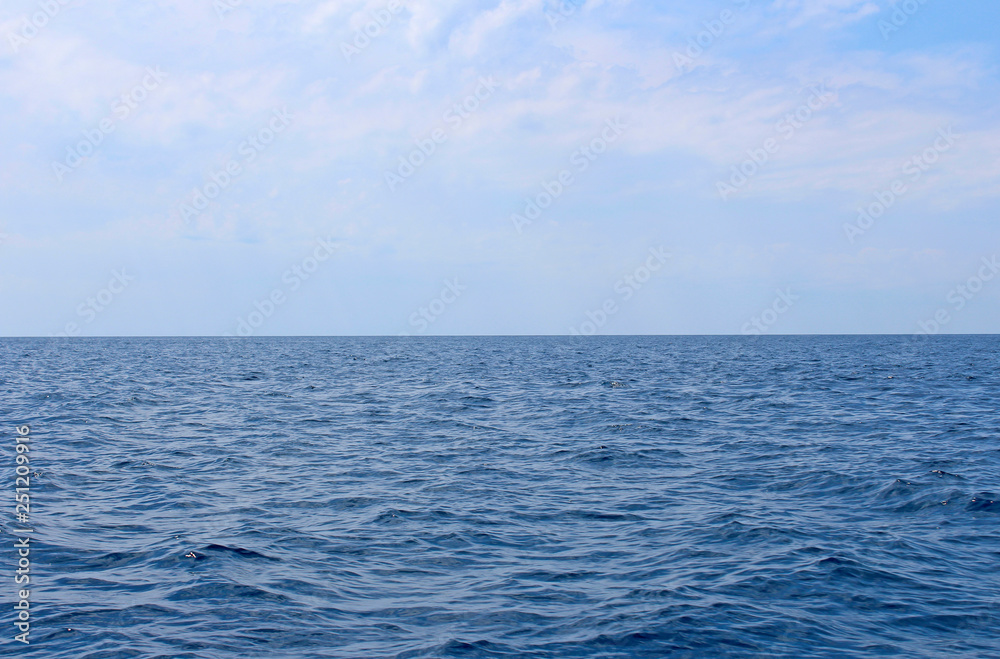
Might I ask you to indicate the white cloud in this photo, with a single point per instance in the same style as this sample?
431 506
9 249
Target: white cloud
557 87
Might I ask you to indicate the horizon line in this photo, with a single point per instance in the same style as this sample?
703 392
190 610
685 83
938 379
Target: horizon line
457 336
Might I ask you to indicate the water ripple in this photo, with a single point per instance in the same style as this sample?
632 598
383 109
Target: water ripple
511 497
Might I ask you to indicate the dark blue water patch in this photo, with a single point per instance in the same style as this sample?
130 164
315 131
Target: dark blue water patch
510 497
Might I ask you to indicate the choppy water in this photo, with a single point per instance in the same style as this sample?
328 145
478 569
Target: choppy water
508 497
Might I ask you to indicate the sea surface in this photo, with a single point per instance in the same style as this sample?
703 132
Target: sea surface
506 497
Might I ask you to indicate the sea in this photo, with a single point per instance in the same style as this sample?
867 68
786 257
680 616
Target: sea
613 497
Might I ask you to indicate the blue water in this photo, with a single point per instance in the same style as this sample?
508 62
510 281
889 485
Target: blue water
508 497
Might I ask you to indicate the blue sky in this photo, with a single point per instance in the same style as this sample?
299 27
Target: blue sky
268 168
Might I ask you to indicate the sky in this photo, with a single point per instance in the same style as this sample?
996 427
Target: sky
376 167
